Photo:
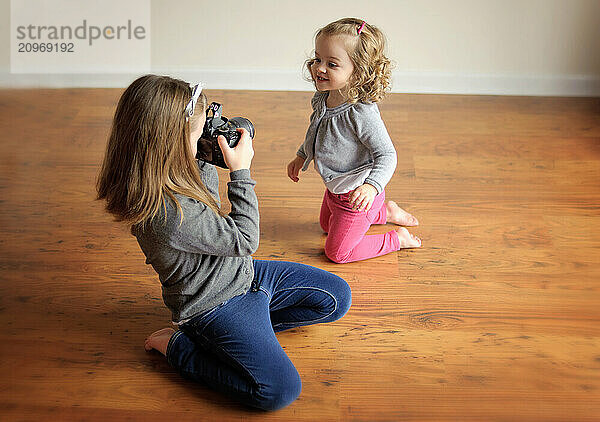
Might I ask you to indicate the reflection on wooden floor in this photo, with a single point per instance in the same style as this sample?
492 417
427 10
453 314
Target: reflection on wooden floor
497 317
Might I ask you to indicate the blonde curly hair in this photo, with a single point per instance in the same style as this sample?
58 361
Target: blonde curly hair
370 79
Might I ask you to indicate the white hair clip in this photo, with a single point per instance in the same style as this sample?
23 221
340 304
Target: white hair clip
189 108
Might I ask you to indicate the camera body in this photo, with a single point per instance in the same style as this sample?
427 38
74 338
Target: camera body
216 124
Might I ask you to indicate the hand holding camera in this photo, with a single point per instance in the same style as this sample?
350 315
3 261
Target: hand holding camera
220 135
240 156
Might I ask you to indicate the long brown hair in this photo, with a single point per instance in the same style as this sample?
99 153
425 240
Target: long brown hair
372 69
148 157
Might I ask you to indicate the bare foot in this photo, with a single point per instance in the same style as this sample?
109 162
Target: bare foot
407 240
159 340
398 216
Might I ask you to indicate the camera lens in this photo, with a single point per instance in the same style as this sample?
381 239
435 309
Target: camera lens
241 122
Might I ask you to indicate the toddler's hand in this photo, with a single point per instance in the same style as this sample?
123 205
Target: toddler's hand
362 197
294 167
239 157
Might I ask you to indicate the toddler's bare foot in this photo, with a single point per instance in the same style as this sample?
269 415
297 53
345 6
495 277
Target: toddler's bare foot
159 340
407 240
398 216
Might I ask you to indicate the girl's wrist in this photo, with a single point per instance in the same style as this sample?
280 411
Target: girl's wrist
239 174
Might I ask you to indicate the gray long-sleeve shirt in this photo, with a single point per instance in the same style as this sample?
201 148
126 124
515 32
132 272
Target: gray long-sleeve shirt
206 259
349 145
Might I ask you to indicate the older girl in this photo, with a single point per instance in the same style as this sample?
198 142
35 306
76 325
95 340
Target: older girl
227 306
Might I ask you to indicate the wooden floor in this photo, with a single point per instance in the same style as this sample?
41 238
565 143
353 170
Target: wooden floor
496 318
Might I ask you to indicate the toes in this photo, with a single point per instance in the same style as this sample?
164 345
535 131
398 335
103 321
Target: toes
407 239
415 240
411 221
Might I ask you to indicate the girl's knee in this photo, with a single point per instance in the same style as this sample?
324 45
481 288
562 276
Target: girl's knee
324 226
324 221
336 254
281 391
343 297
338 298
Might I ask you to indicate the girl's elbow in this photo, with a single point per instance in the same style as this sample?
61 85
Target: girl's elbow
253 246
249 247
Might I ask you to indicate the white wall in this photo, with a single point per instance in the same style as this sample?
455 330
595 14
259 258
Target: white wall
523 47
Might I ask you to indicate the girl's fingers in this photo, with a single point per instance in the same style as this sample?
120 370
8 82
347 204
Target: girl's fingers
244 135
222 142
359 203
292 171
364 205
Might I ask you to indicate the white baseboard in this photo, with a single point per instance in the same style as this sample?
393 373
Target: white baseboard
285 80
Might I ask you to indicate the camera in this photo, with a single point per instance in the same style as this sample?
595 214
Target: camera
216 124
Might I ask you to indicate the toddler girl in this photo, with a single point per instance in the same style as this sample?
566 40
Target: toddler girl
350 145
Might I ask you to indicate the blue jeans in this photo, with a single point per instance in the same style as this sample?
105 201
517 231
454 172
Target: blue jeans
233 348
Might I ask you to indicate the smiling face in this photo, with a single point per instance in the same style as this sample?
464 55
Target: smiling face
332 67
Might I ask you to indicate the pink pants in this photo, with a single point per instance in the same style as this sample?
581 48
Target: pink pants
346 228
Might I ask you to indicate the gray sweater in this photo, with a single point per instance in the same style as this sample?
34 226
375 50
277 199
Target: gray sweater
206 259
349 145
